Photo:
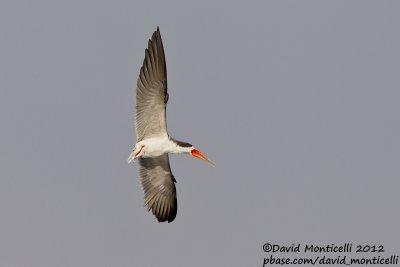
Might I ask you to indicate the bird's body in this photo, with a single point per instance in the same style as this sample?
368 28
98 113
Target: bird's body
153 143
157 146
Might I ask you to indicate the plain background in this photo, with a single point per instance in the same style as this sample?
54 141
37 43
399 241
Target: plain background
296 101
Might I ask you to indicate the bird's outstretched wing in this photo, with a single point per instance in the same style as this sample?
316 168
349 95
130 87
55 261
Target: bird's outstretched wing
159 187
151 91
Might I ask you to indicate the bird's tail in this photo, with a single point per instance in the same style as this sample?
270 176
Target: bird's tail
131 157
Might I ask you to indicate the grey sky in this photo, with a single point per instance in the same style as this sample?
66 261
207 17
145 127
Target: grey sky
296 101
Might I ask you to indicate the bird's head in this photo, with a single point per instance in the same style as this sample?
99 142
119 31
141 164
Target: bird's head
200 155
183 147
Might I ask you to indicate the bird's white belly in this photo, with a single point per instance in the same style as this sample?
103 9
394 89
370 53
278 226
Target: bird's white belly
154 147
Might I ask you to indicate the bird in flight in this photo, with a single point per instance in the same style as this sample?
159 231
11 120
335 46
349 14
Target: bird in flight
153 143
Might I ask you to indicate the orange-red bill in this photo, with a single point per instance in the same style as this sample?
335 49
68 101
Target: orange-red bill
200 155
